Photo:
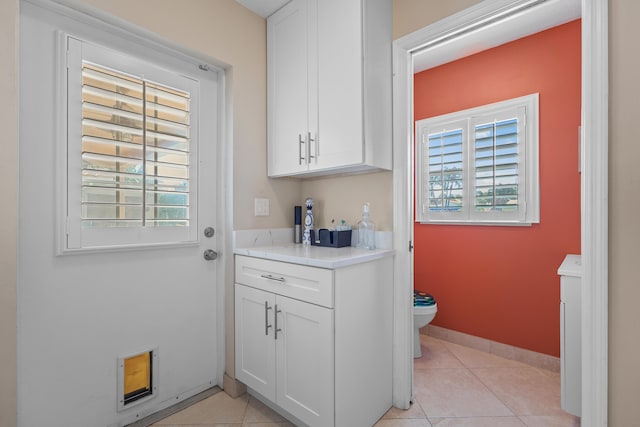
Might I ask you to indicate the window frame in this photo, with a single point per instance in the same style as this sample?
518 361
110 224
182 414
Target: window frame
154 66
526 108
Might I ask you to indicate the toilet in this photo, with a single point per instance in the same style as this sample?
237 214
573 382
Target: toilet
424 310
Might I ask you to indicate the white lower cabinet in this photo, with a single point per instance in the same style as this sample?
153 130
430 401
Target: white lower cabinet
316 343
285 352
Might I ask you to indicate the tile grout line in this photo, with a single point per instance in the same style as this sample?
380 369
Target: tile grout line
475 375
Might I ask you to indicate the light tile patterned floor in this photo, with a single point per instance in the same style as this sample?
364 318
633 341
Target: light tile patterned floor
455 386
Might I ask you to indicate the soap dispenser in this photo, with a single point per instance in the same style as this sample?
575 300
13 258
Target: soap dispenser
366 230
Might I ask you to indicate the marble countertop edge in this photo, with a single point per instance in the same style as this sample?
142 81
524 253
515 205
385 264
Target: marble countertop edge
315 256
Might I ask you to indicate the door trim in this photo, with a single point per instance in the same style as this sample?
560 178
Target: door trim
594 190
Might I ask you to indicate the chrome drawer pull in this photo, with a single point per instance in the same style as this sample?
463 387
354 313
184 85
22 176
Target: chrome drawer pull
266 318
270 277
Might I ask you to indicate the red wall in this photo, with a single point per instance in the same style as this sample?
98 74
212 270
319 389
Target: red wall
501 283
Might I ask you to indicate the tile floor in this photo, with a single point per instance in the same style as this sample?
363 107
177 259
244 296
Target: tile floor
455 386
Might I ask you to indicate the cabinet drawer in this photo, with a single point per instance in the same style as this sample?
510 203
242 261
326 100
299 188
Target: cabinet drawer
310 284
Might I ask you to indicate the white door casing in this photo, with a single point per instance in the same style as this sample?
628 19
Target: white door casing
594 134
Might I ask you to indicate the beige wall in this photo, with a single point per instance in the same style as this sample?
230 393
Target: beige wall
411 15
9 223
340 198
226 31
624 205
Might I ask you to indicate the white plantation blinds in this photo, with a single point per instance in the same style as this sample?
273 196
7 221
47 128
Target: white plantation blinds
135 151
132 141
444 156
479 166
496 167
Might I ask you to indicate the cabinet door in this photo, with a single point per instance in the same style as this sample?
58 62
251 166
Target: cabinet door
305 361
340 84
290 84
255 345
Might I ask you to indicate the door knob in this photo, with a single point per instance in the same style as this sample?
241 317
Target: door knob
210 254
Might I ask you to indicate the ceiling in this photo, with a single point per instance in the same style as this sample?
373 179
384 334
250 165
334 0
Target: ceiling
543 15
263 8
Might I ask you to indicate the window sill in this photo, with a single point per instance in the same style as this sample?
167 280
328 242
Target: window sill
480 223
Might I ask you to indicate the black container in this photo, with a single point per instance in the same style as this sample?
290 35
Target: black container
331 238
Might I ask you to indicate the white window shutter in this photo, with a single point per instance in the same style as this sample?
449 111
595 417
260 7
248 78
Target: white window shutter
480 166
132 151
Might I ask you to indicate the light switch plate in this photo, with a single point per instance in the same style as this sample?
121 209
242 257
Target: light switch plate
261 207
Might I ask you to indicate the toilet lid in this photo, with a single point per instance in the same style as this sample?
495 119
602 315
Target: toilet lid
423 299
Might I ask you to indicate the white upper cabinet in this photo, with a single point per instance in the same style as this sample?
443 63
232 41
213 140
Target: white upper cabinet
329 87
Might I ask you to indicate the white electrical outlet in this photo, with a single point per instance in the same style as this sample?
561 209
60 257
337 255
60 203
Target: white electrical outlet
261 207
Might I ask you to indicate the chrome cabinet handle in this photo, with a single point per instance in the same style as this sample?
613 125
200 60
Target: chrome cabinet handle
300 157
266 318
276 321
270 277
309 147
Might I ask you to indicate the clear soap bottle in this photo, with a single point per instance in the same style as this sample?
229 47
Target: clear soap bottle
366 230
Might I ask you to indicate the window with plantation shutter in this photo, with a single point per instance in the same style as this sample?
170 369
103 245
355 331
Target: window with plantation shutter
132 145
479 166
135 151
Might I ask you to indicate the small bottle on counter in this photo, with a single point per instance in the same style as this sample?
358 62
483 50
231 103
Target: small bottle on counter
308 222
297 224
366 230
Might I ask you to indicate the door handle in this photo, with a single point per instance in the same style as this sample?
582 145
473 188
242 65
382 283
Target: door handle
300 157
275 336
210 255
309 147
266 318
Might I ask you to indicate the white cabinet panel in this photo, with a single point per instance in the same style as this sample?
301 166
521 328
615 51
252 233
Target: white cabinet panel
289 91
305 355
255 350
570 272
305 283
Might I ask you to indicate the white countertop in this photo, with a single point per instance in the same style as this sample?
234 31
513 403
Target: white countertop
571 266
315 256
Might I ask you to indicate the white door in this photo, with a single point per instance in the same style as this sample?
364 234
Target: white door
255 343
78 313
305 360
